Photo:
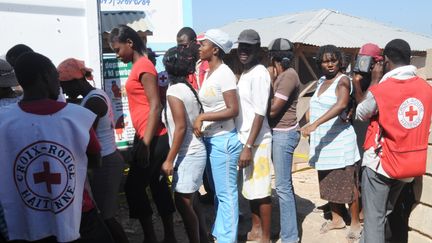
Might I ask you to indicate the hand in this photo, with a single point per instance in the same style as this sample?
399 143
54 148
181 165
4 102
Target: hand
146 141
377 73
167 167
349 115
147 148
245 157
197 126
140 154
308 129
357 78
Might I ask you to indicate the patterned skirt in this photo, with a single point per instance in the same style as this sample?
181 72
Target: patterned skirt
337 185
257 176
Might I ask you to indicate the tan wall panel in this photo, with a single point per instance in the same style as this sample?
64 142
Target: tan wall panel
421 219
415 237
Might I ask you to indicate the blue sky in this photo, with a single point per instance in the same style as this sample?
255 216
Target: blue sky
415 16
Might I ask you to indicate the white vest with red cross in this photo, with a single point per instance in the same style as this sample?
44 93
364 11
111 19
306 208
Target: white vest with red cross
400 131
43 166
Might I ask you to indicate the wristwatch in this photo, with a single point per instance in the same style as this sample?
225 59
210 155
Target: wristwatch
248 146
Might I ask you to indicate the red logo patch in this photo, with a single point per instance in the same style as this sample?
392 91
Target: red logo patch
44 174
410 113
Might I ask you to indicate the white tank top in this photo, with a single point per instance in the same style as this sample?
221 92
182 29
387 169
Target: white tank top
105 127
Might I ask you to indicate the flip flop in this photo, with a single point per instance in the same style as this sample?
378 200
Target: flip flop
253 236
354 235
328 225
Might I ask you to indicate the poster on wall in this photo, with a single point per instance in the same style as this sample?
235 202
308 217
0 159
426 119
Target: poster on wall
115 75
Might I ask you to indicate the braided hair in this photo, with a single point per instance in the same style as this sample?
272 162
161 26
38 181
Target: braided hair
284 57
177 62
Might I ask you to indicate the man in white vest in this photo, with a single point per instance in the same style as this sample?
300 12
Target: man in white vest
45 146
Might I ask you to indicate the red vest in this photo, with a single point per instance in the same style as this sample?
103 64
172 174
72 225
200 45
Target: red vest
401 128
372 134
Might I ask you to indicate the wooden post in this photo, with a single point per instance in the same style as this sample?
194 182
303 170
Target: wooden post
310 69
296 57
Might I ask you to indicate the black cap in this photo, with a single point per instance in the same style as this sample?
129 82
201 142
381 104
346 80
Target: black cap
281 44
249 36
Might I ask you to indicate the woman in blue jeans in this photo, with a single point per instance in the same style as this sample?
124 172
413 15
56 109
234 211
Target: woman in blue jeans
218 95
286 136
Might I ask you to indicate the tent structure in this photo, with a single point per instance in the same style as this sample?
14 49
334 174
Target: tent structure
310 29
321 27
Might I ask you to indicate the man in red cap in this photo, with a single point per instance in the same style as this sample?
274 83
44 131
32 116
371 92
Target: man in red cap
362 77
368 55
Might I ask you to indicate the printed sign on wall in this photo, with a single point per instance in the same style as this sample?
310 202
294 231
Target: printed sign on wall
115 75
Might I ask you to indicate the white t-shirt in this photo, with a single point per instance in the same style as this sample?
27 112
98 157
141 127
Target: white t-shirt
191 144
254 91
211 95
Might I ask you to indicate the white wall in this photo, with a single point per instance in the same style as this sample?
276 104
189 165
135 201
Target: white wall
58 29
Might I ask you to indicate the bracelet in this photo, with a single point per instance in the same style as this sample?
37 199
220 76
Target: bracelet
248 146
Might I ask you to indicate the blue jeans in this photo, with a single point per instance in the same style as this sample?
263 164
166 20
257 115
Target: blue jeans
223 153
284 144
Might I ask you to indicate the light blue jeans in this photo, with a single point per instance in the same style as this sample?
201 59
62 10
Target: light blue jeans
223 153
284 144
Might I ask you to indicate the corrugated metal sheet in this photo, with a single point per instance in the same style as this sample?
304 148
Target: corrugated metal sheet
134 19
321 27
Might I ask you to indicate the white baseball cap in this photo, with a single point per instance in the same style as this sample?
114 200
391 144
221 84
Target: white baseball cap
219 38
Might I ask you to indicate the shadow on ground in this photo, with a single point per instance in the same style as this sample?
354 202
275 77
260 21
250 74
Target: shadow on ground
135 235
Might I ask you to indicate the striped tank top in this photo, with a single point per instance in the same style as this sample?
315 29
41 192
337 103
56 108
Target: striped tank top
333 144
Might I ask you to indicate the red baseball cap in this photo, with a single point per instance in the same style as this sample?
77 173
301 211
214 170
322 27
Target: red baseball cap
371 50
72 68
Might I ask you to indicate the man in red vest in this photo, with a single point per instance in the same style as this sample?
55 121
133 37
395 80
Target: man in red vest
187 38
399 108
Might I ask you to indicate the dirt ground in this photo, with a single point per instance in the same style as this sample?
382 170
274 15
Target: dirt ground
307 198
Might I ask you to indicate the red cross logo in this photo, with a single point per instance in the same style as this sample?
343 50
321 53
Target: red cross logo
47 177
163 78
411 113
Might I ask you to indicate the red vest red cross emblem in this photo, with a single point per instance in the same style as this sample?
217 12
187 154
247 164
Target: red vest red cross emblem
47 177
411 113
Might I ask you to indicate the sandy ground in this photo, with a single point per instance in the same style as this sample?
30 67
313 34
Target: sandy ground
307 198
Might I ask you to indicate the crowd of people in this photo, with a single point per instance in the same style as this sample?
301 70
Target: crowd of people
210 127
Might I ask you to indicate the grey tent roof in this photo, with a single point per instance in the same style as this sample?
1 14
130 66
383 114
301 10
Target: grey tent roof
321 27
135 19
